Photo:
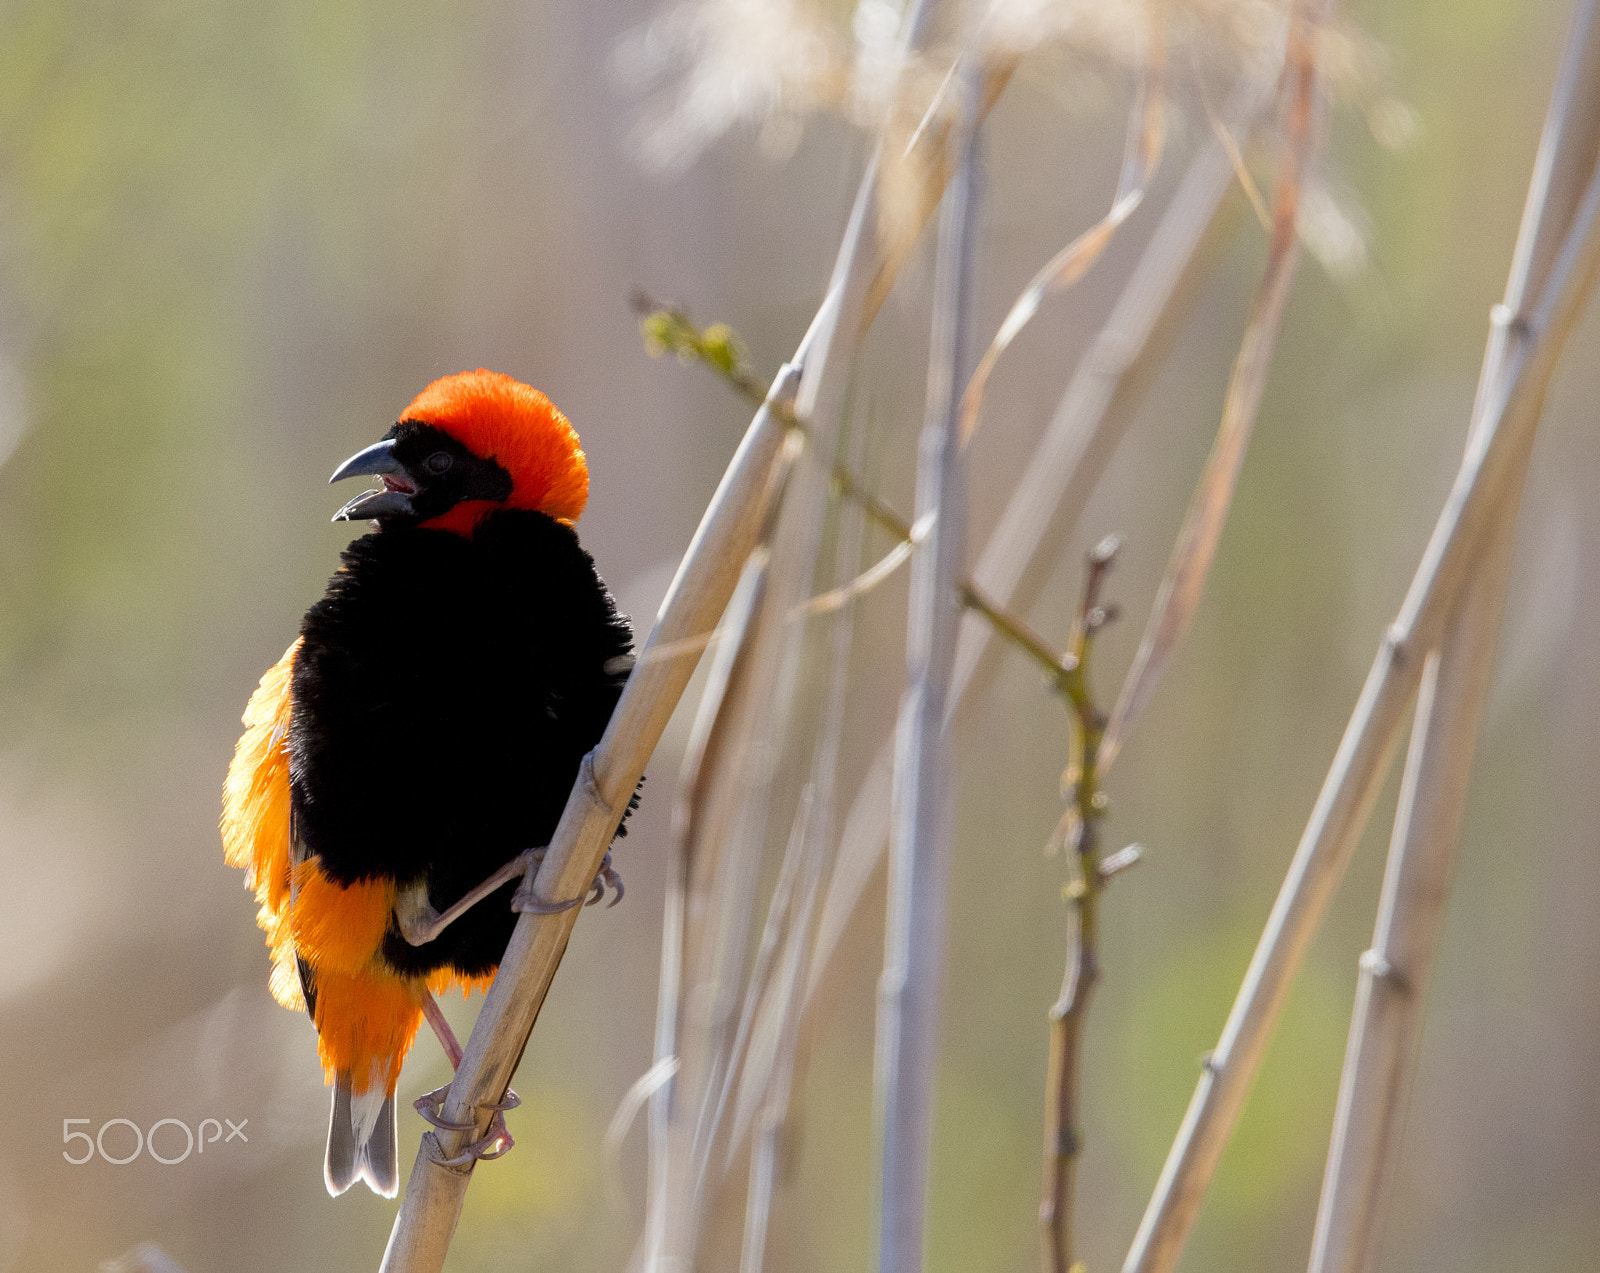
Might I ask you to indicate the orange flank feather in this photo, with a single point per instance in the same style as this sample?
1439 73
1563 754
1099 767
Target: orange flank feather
366 1016
338 928
504 420
255 818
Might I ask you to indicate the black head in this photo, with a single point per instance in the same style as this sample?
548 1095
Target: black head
425 474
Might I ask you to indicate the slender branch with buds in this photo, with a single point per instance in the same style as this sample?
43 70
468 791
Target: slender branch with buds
668 329
1087 808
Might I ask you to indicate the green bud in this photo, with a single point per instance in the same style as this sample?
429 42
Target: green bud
660 333
721 347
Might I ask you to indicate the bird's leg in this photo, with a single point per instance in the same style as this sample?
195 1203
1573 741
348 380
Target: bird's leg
429 1104
496 1138
434 1015
419 923
524 901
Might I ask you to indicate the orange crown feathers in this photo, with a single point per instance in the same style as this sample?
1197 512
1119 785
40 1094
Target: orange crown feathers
501 419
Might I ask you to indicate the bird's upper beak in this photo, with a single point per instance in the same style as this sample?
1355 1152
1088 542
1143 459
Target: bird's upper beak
393 498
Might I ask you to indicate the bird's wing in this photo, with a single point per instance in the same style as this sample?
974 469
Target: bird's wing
256 833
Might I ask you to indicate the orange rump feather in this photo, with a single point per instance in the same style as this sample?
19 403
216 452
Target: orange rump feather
365 1024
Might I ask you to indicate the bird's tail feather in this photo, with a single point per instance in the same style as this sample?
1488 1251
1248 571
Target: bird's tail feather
362 1140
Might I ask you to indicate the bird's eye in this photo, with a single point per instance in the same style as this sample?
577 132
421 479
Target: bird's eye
439 462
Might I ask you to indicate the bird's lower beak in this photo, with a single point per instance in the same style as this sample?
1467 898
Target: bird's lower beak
374 504
394 499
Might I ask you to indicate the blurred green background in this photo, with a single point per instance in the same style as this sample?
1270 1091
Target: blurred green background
235 239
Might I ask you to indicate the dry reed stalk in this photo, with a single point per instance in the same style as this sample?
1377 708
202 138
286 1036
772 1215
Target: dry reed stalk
908 996
730 836
1386 1024
767 1076
717 1043
1184 583
719 1029
1141 156
723 686
755 1060
1490 469
759 1057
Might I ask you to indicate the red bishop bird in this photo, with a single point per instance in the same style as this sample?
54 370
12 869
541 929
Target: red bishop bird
415 746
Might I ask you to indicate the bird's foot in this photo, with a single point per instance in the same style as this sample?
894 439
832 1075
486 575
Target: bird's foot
496 1140
524 902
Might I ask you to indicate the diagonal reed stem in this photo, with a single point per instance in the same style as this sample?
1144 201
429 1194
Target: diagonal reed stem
766 1080
1183 584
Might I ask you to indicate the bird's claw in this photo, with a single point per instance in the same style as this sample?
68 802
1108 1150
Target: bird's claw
524 902
431 1106
496 1142
607 877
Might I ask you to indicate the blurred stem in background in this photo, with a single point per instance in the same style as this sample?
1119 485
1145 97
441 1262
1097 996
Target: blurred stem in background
1462 545
915 923
1385 1029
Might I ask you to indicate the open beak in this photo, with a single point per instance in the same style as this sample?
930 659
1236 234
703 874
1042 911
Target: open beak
392 499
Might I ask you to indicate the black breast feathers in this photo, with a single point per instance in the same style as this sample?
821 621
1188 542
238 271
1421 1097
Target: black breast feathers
445 693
